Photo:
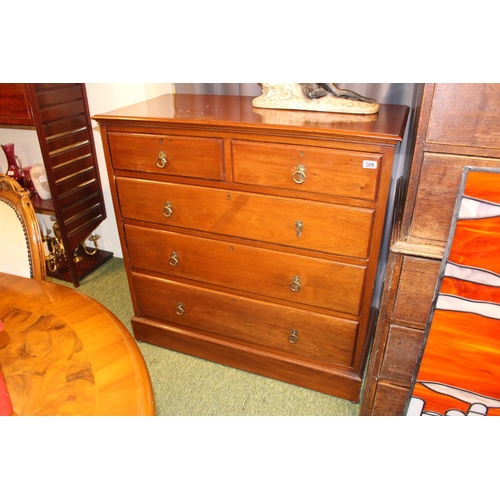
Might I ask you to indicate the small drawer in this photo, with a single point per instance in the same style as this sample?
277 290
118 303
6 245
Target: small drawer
324 227
304 280
287 329
307 169
169 155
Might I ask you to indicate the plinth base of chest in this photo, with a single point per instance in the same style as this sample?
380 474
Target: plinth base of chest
322 377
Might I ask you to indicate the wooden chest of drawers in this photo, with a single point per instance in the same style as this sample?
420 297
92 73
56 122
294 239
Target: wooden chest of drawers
252 237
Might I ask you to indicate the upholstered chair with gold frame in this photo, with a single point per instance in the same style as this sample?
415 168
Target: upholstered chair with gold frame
21 250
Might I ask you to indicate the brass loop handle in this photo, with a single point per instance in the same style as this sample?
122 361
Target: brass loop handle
179 310
293 338
174 259
299 176
167 210
161 160
299 225
295 284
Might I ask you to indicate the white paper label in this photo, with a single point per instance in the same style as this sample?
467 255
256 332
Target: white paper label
369 164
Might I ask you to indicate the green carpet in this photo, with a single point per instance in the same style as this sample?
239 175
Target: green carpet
188 386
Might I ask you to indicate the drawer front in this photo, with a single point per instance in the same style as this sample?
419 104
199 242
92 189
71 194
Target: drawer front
287 329
323 227
303 280
307 169
168 155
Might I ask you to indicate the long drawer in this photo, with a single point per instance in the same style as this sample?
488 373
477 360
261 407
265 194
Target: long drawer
306 169
290 330
324 227
304 280
169 155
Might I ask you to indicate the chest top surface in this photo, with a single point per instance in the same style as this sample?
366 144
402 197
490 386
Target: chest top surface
224 111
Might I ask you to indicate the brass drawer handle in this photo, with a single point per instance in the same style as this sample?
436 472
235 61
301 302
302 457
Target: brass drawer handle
299 176
295 284
167 210
293 338
161 160
179 310
299 225
174 259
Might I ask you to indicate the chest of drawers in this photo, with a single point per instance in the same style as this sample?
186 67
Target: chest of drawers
251 237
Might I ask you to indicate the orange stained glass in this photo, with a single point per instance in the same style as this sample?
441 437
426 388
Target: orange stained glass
484 185
470 290
462 350
476 243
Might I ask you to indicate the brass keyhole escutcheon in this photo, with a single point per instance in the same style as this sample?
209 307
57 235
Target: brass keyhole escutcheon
299 176
161 160
174 259
179 310
293 338
299 225
168 210
295 284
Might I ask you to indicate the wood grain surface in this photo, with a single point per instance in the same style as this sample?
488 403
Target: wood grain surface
62 353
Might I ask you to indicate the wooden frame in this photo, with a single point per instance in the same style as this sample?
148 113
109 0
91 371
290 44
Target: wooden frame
19 199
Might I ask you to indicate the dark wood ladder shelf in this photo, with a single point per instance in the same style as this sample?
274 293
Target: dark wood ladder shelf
59 112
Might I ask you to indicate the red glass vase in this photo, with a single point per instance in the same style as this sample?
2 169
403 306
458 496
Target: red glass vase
15 168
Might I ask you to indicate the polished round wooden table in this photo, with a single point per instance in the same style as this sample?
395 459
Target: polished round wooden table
63 353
